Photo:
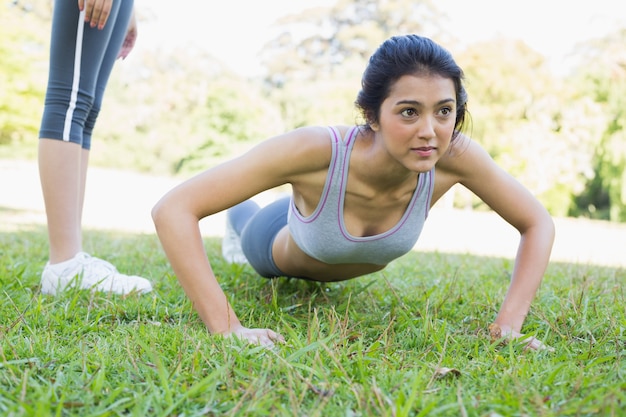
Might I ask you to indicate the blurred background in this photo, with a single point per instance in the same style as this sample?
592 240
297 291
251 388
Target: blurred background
207 80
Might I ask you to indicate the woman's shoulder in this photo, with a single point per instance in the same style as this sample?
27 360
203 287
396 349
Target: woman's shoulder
312 141
320 132
302 150
462 156
466 161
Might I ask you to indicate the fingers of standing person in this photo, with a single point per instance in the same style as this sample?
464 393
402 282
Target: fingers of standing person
96 11
263 337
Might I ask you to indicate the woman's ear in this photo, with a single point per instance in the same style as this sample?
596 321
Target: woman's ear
372 121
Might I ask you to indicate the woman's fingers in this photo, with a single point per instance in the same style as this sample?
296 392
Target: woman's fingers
536 344
96 11
267 337
263 337
498 333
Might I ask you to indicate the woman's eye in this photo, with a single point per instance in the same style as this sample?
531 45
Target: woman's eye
408 112
446 111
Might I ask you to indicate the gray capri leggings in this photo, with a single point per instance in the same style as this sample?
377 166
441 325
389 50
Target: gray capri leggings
81 60
257 228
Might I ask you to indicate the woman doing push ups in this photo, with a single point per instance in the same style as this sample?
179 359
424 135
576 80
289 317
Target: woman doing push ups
360 194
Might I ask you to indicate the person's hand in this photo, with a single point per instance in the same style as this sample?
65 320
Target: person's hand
505 333
129 40
96 11
263 337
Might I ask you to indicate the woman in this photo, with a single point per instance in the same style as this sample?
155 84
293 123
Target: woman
87 37
360 194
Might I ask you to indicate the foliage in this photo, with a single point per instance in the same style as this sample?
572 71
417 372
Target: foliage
330 47
602 72
22 50
177 110
408 342
199 114
318 41
536 127
173 110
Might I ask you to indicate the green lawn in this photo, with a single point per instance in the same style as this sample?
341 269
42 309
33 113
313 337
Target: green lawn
374 346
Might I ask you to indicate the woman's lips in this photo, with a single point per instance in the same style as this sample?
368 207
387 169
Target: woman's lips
424 151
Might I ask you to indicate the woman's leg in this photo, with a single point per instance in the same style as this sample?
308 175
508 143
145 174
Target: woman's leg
81 59
236 219
61 183
239 215
76 55
258 236
119 23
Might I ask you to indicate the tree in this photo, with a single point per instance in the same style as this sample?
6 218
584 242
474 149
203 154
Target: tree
602 73
23 51
314 64
179 110
539 129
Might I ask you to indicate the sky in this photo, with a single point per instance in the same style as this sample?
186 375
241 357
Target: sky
235 31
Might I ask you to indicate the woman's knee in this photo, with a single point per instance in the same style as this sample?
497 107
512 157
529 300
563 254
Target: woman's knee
238 216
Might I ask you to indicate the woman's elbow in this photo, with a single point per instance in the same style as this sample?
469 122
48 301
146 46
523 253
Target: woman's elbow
162 213
551 229
539 226
545 224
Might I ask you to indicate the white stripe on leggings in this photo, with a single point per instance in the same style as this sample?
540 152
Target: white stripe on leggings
67 127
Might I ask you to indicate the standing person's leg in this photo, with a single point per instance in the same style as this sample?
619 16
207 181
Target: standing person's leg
60 172
69 97
119 24
77 54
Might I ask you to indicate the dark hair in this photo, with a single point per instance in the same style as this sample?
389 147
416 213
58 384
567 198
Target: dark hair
407 55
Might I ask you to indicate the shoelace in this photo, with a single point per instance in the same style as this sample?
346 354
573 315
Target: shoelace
97 263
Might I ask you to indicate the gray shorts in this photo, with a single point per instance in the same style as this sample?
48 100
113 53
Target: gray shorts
257 228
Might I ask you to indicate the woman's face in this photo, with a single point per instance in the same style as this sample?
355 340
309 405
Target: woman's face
417 119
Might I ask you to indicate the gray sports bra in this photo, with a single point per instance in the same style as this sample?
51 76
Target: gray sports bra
323 234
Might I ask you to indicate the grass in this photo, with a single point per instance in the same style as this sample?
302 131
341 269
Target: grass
374 346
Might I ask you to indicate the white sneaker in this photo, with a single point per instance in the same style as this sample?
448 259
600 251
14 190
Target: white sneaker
90 273
231 246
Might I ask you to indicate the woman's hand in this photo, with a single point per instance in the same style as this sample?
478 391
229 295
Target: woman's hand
505 333
131 37
263 337
96 11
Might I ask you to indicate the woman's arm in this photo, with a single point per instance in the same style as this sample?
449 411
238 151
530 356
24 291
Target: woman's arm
177 214
130 38
476 170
